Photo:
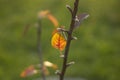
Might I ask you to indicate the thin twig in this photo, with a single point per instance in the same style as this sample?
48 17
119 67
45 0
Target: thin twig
69 38
39 49
69 8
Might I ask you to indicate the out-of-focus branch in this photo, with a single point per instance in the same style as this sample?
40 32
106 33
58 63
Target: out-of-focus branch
39 30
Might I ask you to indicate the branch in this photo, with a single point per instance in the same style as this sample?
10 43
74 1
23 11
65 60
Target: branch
69 38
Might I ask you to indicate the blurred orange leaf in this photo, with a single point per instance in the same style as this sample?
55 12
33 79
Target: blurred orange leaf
53 20
58 41
43 14
45 70
29 71
47 14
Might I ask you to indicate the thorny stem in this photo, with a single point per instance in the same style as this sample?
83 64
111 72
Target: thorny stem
69 38
39 49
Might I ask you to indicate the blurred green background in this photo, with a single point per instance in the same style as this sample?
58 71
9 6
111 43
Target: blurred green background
96 52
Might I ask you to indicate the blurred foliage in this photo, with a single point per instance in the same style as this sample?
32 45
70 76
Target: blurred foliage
96 52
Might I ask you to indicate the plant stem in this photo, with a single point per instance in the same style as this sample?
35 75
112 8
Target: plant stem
39 30
69 38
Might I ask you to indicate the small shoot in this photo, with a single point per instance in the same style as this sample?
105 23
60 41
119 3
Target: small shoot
70 9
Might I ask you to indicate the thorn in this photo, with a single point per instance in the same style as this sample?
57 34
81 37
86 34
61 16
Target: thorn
62 56
74 38
58 72
76 19
70 63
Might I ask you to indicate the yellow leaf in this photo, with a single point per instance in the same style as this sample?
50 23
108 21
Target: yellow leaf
58 41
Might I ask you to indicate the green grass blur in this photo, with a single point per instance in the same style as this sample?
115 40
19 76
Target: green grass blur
96 52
